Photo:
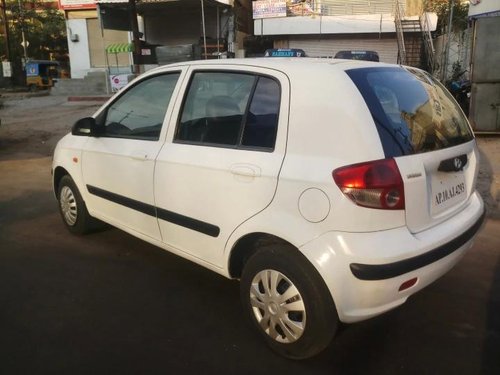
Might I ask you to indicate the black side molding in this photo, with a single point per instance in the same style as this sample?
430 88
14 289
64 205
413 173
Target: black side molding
188 222
145 208
148 209
387 271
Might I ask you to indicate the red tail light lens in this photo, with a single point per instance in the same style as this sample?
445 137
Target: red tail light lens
375 184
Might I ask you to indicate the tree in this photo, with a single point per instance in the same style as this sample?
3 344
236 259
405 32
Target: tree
44 29
442 9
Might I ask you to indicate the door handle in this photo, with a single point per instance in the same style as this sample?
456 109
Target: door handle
247 170
139 155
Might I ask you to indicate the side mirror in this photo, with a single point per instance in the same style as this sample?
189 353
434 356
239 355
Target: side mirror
85 126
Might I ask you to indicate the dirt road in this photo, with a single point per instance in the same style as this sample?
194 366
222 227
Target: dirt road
32 126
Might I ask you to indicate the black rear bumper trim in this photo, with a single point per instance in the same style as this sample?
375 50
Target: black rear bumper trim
387 271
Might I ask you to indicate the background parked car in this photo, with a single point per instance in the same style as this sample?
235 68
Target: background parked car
358 55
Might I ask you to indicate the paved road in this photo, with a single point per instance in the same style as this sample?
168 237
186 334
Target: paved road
109 303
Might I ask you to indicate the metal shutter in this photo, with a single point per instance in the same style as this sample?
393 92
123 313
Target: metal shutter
386 47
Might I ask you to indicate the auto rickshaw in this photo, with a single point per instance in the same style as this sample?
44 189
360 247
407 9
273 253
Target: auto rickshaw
41 74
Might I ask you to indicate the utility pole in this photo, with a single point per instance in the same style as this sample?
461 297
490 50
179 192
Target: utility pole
21 16
204 30
134 25
448 42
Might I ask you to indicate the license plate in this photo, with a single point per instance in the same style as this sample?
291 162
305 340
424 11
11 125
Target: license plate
447 191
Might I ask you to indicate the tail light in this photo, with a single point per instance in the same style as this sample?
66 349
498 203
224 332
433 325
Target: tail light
375 184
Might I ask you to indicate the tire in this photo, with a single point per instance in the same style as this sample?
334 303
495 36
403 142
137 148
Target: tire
310 325
73 209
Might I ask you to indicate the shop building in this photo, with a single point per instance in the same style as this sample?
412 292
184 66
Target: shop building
396 30
100 34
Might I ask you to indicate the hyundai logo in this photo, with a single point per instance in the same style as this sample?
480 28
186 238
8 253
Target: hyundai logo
453 164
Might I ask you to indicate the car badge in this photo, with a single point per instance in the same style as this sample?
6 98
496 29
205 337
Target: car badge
458 164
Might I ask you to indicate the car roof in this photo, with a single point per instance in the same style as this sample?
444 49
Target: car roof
283 64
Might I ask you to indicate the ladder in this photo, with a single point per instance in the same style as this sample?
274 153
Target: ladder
398 18
415 47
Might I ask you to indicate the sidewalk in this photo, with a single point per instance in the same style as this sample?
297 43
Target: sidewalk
18 95
22 94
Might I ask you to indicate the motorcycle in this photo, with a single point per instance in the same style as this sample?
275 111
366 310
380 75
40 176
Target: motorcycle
461 90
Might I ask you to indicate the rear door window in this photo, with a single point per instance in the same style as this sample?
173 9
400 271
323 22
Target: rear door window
230 109
262 118
412 111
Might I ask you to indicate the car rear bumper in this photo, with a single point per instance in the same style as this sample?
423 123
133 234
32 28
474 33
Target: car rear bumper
364 271
390 270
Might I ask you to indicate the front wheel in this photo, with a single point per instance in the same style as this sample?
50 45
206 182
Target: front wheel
288 302
72 208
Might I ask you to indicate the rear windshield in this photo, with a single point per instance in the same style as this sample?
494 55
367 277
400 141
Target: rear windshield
413 112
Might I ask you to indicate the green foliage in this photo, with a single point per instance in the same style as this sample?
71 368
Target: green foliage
442 8
44 29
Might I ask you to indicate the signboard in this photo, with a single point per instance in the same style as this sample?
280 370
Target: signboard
268 9
301 8
76 4
118 81
6 68
285 52
32 70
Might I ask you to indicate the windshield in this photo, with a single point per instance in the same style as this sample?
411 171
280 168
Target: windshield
413 112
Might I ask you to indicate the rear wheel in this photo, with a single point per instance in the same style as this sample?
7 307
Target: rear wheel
288 302
72 208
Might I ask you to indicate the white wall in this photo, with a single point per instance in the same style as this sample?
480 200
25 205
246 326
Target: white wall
79 55
352 24
484 6
368 23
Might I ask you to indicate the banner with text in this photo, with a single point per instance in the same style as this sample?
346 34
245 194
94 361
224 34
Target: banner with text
268 9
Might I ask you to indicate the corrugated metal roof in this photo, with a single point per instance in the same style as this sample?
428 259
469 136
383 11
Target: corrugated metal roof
226 2
137 1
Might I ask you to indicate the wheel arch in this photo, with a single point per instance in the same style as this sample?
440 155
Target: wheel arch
59 173
248 245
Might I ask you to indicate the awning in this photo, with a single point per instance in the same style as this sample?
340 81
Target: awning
120 47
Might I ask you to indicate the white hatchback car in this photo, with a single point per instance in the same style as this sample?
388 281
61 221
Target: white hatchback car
332 189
